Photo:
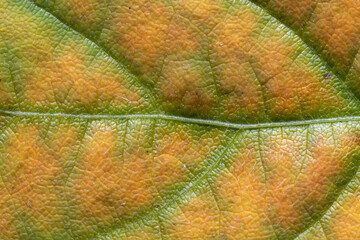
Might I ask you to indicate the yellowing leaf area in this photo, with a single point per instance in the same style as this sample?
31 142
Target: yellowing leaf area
179 119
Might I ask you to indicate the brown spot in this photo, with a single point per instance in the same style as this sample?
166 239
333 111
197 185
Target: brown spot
183 88
237 82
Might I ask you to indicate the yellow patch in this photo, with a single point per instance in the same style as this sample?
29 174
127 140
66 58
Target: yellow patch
336 26
167 169
7 227
177 153
198 219
187 150
64 138
144 233
55 78
182 88
5 93
345 221
243 191
29 168
64 79
110 186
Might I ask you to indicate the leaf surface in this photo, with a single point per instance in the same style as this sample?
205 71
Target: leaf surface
184 119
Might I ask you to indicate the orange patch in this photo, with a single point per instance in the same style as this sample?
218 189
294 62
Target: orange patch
146 32
237 81
295 11
336 27
181 41
31 176
142 30
233 43
167 169
242 190
234 35
65 79
327 161
182 88
294 195
84 10
108 87
198 220
290 85
207 11
281 159
55 78
109 186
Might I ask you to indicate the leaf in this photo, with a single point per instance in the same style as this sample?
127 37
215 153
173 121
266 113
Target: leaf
184 119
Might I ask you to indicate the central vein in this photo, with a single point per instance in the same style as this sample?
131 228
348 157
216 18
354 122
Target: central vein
243 126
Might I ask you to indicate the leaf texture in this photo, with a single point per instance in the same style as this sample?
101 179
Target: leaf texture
184 119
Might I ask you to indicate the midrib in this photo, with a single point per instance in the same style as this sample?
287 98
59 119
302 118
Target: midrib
242 126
